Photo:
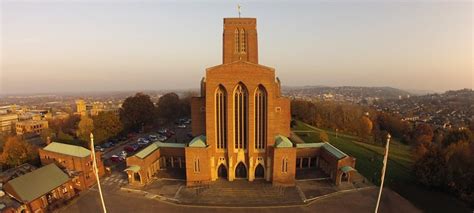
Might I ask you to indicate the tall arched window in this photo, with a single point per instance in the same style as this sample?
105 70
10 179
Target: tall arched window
236 41
221 117
240 117
260 117
242 41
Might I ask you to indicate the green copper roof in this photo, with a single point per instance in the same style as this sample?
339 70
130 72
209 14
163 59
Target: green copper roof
133 168
171 145
147 150
327 146
309 145
35 184
347 169
156 145
282 142
334 151
199 141
68 149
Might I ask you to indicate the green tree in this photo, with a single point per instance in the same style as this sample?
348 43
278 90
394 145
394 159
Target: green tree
137 111
169 107
106 125
85 128
16 152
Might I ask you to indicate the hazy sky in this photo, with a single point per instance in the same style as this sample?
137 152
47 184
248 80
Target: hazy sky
56 46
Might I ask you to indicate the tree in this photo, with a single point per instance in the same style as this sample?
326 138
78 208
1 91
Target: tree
85 127
137 111
457 135
423 134
366 126
17 152
323 136
106 125
169 107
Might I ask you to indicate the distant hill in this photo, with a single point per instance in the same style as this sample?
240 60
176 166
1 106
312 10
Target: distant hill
348 91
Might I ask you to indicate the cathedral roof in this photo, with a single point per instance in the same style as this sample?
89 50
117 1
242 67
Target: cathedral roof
240 62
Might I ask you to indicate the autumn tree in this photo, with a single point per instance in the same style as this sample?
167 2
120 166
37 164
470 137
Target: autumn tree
137 111
85 128
106 125
169 107
16 152
323 136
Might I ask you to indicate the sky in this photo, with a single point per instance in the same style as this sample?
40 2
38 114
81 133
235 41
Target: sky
104 45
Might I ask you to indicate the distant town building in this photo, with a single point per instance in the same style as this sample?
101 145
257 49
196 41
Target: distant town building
31 127
36 190
241 125
7 123
76 160
81 107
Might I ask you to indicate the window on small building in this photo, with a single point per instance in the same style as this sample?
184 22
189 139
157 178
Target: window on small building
197 168
284 165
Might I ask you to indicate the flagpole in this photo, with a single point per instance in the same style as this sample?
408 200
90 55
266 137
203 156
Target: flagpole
96 172
385 159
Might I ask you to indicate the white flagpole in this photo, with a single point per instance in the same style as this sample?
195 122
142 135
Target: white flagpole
96 172
385 159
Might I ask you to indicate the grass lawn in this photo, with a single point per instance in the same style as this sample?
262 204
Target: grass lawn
369 163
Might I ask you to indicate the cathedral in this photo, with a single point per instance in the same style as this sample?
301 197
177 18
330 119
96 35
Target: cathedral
241 126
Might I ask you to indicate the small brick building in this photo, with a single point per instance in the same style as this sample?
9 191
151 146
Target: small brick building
76 160
36 191
241 125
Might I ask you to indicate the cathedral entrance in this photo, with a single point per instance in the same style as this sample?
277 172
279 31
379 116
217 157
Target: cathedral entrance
222 172
240 171
259 171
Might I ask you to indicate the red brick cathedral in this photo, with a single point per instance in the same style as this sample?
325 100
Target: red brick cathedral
241 125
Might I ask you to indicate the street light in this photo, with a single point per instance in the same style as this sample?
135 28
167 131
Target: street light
96 172
385 159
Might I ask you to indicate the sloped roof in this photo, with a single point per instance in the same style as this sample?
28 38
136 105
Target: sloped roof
240 62
133 168
35 184
334 151
68 149
147 150
347 169
156 145
199 141
309 145
282 142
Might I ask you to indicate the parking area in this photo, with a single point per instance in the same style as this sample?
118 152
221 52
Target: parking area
115 152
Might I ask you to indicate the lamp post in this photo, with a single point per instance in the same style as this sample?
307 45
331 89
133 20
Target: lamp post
382 178
96 172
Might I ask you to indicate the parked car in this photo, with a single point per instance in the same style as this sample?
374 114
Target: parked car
162 130
99 149
116 158
143 142
130 149
123 154
153 137
162 138
181 126
107 145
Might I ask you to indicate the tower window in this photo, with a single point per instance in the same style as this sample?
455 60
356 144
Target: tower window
242 41
236 41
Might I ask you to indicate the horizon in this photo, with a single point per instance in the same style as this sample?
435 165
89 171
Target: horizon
52 48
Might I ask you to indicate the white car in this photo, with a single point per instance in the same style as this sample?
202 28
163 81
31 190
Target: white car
123 154
153 137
